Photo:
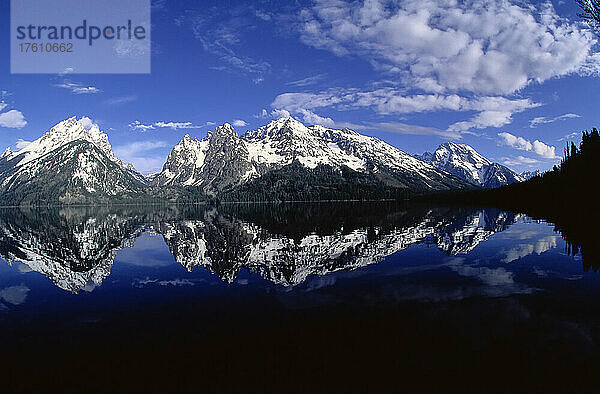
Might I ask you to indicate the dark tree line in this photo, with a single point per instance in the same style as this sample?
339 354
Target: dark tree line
567 196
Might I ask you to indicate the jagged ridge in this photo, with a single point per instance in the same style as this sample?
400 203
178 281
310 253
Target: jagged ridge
466 163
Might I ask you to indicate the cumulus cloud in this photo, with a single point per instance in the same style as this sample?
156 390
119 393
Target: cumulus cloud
312 118
239 123
87 123
3 105
491 111
479 46
544 120
12 119
520 143
280 113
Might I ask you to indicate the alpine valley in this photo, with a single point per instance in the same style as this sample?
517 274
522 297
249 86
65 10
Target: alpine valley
73 163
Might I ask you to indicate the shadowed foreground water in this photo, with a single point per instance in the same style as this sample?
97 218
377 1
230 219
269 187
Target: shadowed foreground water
293 297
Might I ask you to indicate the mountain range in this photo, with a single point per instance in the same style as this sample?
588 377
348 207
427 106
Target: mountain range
466 163
284 160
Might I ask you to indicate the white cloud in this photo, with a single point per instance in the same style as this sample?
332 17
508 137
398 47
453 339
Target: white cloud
221 36
87 123
491 111
544 150
520 143
544 120
280 113
137 125
66 71
239 123
21 143
121 100
12 119
518 161
570 136
479 46
3 105
308 80
262 115
312 118
77 88
176 125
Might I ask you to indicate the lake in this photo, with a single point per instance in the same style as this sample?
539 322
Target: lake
339 294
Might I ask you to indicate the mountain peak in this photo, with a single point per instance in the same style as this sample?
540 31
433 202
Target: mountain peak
6 153
224 129
280 128
465 162
64 132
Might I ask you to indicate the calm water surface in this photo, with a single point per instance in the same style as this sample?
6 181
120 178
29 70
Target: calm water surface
294 288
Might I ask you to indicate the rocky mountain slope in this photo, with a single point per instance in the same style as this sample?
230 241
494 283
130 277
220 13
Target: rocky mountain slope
71 163
466 163
223 160
74 163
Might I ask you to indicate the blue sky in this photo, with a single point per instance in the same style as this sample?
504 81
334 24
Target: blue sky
513 79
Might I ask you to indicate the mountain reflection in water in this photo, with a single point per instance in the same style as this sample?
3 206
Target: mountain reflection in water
285 244
282 292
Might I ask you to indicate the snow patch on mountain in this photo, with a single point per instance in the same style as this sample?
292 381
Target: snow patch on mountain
67 131
466 163
526 175
283 141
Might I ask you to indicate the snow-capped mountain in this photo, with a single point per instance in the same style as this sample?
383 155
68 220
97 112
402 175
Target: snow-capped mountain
72 162
466 163
222 159
217 161
526 175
